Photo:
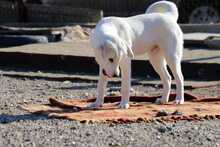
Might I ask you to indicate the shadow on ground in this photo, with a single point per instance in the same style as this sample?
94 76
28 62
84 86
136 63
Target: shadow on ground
6 118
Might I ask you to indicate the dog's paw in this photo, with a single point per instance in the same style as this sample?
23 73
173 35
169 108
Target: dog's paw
124 105
161 101
179 102
94 105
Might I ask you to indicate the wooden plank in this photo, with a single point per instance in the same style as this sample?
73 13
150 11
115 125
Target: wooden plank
203 28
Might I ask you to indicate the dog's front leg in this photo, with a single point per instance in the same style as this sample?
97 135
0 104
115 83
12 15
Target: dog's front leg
126 82
102 83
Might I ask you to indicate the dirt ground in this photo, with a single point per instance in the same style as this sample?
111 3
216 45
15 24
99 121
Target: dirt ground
19 128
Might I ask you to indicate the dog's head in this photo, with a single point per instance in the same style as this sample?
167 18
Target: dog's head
109 55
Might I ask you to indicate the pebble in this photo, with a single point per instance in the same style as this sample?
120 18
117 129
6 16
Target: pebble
177 112
132 90
66 82
86 94
162 113
198 109
88 133
209 138
158 137
114 89
73 142
115 144
25 101
195 128
114 93
162 129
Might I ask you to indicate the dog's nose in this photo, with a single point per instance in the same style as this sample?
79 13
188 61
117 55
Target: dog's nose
115 75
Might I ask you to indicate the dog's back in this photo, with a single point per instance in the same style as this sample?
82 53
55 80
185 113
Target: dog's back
164 7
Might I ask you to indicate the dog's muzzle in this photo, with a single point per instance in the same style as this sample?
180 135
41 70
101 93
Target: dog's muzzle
104 73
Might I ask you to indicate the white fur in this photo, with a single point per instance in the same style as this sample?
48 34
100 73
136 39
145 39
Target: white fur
164 7
120 39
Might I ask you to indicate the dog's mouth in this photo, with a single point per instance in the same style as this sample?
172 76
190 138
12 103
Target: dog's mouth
105 74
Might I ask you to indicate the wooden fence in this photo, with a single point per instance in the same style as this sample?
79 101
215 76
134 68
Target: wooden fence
9 12
109 7
55 14
64 9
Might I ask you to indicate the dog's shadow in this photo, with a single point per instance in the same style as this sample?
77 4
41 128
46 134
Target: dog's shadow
7 118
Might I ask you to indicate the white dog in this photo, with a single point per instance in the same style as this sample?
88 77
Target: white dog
117 40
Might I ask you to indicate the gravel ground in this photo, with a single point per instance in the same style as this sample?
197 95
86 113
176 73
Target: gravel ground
19 128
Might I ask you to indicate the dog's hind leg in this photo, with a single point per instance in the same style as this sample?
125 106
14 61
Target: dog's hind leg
173 54
173 51
159 64
175 65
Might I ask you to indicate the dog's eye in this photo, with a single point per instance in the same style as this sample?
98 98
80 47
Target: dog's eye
111 60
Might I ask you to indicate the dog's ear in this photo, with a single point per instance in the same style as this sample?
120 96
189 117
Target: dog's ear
127 48
110 47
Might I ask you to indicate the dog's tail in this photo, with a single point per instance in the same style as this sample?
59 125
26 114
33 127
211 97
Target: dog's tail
164 7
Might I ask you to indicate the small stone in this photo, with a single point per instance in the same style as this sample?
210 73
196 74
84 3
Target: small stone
83 121
140 119
86 94
195 128
217 116
114 89
160 121
114 144
38 85
162 129
169 128
209 117
90 145
162 113
111 125
91 122
209 138
73 128
88 133
199 109
147 121
131 138
177 112
114 93
38 100
25 101
73 142
39 72
66 82
156 86
132 90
